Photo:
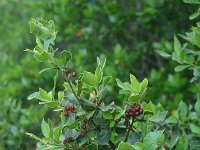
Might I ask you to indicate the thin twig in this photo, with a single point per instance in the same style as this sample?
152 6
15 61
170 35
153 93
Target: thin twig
129 131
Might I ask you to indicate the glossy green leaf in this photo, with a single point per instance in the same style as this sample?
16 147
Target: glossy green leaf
153 140
45 129
163 54
125 146
195 129
124 86
103 137
135 84
90 79
158 117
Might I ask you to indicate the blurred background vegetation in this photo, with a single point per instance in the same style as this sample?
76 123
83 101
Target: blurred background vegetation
126 32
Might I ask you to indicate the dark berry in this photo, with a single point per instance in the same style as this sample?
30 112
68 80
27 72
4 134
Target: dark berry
84 126
127 114
130 113
66 113
69 139
141 111
129 127
65 141
82 134
137 113
98 102
137 108
73 74
66 70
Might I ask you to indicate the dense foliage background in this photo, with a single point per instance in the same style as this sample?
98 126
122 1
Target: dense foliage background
126 32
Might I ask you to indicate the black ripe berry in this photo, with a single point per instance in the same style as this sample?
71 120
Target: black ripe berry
73 74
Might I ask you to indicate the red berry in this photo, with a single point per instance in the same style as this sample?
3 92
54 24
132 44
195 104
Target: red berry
73 74
130 113
66 70
141 110
137 108
82 134
66 113
65 141
129 127
84 126
137 113
69 139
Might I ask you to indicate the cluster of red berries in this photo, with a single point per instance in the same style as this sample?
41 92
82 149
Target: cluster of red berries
97 102
84 125
67 71
134 110
68 109
67 140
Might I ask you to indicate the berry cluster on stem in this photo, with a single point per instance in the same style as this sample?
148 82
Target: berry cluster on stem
134 110
68 109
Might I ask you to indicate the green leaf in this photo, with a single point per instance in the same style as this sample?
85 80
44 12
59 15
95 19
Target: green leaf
134 98
182 110
125 146
150 107
172 119
63 58
34 136
42 57
195 129
193 16
55 82
43 70
124 86
182 143
196 36
158 117
163 54
90 79
103 137
44 94
181 67
139 146
36 95
153 140
60 95
192 1
135 84
197 107
87 105
144 85
107 115
45 129
106 80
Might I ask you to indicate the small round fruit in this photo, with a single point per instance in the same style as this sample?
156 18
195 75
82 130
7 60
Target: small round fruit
66 113
141 110
66 70
73 74
84 126
82 134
